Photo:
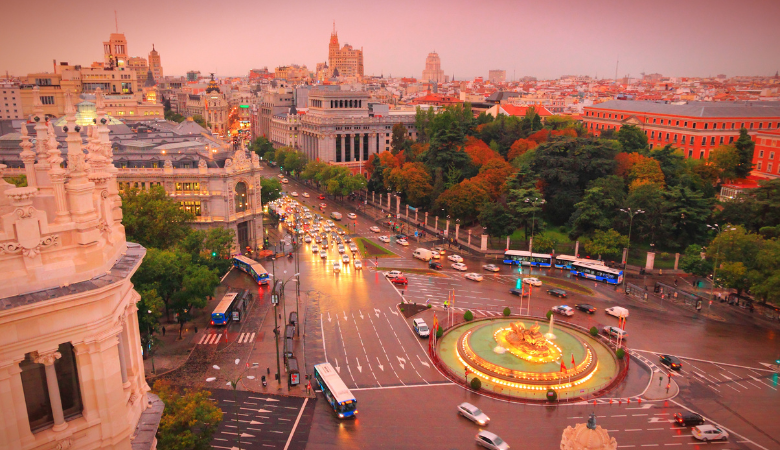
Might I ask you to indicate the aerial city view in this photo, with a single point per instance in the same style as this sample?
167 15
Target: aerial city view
550 225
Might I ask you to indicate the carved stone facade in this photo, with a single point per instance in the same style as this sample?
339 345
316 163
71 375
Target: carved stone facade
71 369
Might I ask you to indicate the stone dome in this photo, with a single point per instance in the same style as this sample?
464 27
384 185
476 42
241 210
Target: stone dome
587 437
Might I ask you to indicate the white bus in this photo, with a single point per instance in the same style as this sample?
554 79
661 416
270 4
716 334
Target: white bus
335 391
525 258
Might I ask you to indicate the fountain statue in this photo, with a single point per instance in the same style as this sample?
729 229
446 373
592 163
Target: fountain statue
528 344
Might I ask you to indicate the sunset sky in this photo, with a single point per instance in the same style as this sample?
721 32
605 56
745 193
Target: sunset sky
545 39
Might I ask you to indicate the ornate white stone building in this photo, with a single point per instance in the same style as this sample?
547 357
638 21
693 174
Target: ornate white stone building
71 369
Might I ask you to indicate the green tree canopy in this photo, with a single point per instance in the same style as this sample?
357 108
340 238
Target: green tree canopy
190 419
261 146
600 204
271 189
606 243
632 139
153 219
693 263
399 140
745 146
497 219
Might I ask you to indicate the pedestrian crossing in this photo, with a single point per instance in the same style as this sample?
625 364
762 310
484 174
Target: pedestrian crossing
215 338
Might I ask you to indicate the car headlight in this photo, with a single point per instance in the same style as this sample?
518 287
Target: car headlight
341 416
481 422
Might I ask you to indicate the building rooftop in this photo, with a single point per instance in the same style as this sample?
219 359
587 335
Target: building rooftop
696 109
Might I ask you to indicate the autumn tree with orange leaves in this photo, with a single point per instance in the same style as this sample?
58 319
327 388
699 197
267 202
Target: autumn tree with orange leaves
639 170
479 152
413 180
464 200
519 148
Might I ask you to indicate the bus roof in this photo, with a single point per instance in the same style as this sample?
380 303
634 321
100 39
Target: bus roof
525 253
258 268
224 304
599 267
593 262
328 374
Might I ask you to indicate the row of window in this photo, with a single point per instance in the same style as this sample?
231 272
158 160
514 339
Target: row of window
723 125
189 186
768 167
36 389
191 207
771 154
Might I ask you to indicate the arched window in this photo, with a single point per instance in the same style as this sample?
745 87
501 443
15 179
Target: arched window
241 197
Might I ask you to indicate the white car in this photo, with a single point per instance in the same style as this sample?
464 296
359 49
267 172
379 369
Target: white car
491 267
358 264
563 310
455 258
307 239
491 440
393 274
345 259
315 248
709 433
352 215
532 281
294 194
341 248
615 332
384 239
323 254
473 413
435 254
617 311
473 276
352 247
280 175
403 242
284 180
336 267
375 229
459 266
306 195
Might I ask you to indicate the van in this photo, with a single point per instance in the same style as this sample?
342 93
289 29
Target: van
421 328
335 215
617 311
423 254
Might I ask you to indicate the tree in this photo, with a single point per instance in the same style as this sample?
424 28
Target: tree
162 271
197 118
520 147
522 186
737 254
632 139
693 263
726 159
190 419
173 116
218 242
495 174
464 200
198 283
544 243
153 219
497 219
754 208
398 142
271 189
261 146
607 243
745 146
479 152
765 276
638 170
650 199
600 203
150 308
414 181
294 162
685 215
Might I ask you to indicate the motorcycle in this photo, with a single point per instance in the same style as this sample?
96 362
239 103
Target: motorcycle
265 383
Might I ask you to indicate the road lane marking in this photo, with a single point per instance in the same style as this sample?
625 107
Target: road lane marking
295 425
322 332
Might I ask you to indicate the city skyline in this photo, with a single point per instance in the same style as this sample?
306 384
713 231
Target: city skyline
538 43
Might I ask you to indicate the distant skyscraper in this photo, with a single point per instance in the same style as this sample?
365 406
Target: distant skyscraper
433 70
497 76
115 49
344 61
155 65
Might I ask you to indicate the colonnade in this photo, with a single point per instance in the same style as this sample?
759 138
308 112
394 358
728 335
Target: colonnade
339 147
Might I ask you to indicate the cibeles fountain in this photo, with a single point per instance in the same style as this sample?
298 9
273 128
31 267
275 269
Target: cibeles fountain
513 358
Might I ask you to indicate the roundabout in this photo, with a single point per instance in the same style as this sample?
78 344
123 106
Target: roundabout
511 357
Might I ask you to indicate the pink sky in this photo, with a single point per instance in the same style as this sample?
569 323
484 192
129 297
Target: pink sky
542 38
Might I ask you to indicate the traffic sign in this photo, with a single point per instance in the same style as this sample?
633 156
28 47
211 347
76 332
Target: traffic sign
274 299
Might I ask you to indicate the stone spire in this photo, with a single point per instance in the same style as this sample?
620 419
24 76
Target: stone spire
76 159
41 137
28 157
57 177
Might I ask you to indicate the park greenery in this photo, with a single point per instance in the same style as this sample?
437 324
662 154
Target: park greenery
190 418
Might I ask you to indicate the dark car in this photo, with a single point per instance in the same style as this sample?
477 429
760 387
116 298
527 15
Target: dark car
517 292
688 419
434 265
399 280
557 292
400 236
586 308
671 361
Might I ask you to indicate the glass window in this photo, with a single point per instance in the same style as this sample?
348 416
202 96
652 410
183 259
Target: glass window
68 381
241 197
36 393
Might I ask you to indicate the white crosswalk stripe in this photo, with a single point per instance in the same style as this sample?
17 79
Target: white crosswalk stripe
246 338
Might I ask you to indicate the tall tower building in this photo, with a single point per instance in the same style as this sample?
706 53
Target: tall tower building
115 50
344 61
433 70
155 65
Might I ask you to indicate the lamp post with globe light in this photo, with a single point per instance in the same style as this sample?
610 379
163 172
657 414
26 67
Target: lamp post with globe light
233 383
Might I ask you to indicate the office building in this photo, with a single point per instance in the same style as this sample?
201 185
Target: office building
345 61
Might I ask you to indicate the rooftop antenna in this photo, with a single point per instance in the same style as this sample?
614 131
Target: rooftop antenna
116 22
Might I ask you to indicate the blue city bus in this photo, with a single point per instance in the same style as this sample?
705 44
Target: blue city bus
566 261
598 272
251 267
515 257
221 314
335 391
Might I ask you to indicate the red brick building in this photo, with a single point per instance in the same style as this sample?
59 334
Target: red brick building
694 127
435 99
766 158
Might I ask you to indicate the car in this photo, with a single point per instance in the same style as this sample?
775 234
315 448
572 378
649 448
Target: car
532 281
709 433
352 247
584 307
563 310
688 419
322 205
615 332
280 175
352 215
671 361
384 239
434 265
560 293
473 276
317 239
517 292
491 440
393 274
435 254
347 239
323 254
459 266
439 249
491 267
324 243
307 239
403 242
341 248
617 311
321 197
473 413
421 328
399 280
345 259
336 267
294 194
358 264
375 229
455 258
401 236
341 232
306 195
315 248
285 181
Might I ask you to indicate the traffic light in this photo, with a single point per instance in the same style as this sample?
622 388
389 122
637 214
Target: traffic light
213 254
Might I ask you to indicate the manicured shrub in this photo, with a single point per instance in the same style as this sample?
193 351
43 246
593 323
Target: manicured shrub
439 332
594 331
620 353
549 314
552 396
507 312
468 316
476 383
430 306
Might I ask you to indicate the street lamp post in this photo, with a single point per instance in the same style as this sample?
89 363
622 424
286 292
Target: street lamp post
233 383
717 229
535 203
631 213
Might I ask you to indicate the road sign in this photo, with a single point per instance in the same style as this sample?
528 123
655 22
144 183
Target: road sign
415 234
274 299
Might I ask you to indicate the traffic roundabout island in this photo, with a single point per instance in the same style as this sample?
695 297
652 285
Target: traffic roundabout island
512 357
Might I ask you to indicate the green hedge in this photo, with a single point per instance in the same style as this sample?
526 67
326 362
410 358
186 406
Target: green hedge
468 316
